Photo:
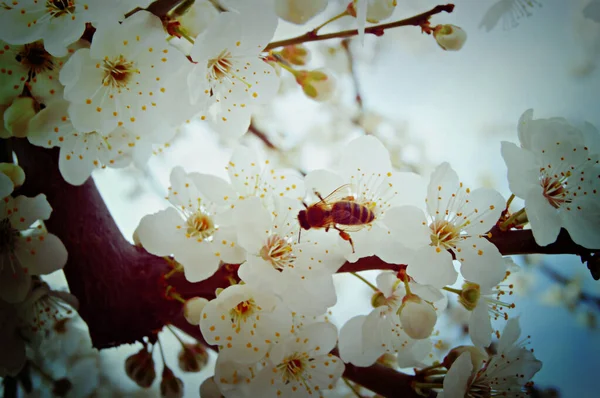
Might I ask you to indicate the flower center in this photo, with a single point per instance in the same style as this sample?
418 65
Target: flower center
278 252
200 225
470 295
554 191
35 58
8 237
221 66
444 233
57 8
479 389
118 72
293 367
242 311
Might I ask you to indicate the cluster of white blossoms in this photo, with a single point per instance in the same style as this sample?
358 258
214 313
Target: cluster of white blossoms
291 234
106 103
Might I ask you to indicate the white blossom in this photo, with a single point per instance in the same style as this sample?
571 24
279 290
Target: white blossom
190 229
363 339
509 11
366 177
245 322
26 249
456 219
299 272
82 152
229 73
301 365
126 78
503 374
557 176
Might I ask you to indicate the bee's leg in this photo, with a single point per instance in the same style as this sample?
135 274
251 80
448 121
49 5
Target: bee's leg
319 196
350 198
346 236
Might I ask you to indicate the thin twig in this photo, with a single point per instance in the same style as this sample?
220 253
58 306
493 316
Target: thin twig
261 135
376 30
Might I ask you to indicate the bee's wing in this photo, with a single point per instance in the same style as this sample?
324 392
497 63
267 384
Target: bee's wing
341 193
351 228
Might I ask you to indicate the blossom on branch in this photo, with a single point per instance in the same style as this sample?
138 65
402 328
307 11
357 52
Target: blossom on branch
190 229
229 74
26 248
556 171
456 220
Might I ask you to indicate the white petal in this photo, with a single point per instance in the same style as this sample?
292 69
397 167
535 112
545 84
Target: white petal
26 211
350 343
432 266
409 224
523 172
42 255
158 232
323 182
455 382
581 220
14 282
480 325
481 262
510 335
215 189
544 219
483 210
442 186
365 155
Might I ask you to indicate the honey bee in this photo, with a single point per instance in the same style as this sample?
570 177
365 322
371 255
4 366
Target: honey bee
338 211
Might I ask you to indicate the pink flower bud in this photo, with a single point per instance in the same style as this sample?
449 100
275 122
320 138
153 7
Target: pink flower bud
140 368
192 357
417 317
170 386
450 37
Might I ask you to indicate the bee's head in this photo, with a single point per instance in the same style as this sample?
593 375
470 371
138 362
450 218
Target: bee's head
303 219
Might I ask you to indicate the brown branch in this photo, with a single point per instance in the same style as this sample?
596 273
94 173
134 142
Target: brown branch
119 286
261 135
377 30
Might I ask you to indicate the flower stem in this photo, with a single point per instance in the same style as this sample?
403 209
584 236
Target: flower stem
318 28
449 289
509 201
350 386
376 30
509 221
365 281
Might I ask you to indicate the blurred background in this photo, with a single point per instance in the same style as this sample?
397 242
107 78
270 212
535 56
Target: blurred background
428 106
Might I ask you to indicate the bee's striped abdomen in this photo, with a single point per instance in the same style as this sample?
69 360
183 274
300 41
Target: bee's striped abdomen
346 212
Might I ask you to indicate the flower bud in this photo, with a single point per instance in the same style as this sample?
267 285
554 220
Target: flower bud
197 17
192 357
477 356
317 84
14 172
209 389
295 54
417 317
299 11
377 10
18 114
140 368
192 309
170 386
450 37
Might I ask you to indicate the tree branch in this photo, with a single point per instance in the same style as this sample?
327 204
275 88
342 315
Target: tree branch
376 30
